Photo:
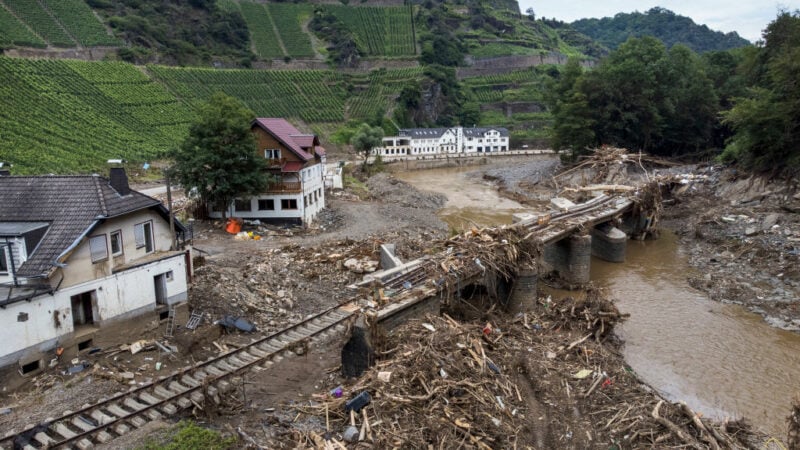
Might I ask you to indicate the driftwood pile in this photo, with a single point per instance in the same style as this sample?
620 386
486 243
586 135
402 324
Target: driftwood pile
548 378
609 166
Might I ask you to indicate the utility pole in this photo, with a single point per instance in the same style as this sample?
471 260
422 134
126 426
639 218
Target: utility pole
174 246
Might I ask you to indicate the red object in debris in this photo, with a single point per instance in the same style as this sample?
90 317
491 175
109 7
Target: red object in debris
233 226
608 382
487 329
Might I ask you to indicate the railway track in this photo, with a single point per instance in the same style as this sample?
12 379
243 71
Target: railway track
193 385
109 418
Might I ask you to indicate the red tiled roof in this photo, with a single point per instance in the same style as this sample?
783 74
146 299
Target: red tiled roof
292 166
283 131
305 140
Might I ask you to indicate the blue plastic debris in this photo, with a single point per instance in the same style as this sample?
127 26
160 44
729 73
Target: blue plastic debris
359 401
239 323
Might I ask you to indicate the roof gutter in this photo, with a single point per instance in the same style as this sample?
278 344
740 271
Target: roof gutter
58 262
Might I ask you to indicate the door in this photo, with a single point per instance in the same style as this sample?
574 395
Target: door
160 282
82 307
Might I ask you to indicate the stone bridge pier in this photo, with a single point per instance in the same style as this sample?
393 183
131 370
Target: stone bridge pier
571 256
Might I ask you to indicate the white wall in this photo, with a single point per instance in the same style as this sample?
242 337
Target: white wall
125 293
311 179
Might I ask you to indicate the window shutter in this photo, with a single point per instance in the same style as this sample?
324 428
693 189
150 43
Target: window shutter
98 248
138 232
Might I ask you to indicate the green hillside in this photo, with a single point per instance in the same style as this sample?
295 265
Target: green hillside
662 24
60 23
68 116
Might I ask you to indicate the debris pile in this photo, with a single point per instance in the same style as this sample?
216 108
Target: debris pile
608 166
544 378
387 189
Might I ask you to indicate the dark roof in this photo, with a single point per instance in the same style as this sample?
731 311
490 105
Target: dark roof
20 228
423 133
71 204
428 133
287 134
481 131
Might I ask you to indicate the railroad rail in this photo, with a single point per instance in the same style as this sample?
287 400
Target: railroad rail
192 385
108 418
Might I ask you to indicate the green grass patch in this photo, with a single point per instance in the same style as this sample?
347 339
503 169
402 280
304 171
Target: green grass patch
187 435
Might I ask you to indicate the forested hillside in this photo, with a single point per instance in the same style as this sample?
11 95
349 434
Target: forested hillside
668 27
675 102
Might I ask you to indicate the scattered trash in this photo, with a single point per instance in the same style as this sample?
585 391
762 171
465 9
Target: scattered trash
385 376
337 392
429 327
238 323
138 346
350 434
582 374
358 402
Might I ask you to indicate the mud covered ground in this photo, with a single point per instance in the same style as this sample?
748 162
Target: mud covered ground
744 236
560 382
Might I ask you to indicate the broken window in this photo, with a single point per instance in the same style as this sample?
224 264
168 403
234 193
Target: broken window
98 248
143 232
116 243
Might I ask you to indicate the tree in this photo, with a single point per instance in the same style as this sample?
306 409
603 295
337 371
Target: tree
365 139
766 121
219 157
531 13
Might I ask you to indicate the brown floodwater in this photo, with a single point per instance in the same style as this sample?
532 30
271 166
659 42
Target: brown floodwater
471 200
720 359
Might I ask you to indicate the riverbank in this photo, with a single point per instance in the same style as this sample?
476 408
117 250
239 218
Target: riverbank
743 236
568 390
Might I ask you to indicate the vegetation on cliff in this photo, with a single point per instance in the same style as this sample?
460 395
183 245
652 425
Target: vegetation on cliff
663 24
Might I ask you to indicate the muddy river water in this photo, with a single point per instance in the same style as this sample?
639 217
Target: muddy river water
720 359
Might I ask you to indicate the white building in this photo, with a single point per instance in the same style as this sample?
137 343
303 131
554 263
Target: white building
77 252
417 142
297 162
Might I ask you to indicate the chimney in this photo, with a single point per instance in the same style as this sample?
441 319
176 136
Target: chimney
118 180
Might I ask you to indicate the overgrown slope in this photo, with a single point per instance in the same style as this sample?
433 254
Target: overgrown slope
660 23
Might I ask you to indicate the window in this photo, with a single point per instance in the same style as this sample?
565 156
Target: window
266 204
116 243
242 205
3 260
288 203
272 153
98 248
143 232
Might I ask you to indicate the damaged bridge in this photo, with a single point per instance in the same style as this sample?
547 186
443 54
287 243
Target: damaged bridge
506 262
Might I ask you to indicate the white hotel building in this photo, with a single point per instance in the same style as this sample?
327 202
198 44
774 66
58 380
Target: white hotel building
421 142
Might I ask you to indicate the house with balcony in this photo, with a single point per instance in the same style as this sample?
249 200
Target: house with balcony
78 253
297 164
423 142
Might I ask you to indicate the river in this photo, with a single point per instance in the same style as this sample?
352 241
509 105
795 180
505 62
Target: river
720 359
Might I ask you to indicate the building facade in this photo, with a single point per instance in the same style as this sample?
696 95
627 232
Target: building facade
76 253
420 142
297 163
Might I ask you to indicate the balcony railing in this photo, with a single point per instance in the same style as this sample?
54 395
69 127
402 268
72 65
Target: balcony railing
294 187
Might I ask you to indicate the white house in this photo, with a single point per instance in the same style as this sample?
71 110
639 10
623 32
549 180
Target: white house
77 252
297 161
416 142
